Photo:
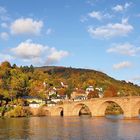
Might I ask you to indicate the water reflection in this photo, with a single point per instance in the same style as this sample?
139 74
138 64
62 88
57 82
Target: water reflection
13 128
115 117
69 128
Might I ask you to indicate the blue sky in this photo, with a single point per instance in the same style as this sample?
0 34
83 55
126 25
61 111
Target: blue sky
96 34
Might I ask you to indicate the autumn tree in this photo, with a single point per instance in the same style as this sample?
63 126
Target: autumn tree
37 89
5 78
5 64
111 91
19 83
93 94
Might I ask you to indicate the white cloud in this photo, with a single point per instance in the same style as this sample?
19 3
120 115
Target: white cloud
127 5
98 15
121 8
118 8
124 49
4 36
29 50
111 30
37 53
56 56
26 26
122 65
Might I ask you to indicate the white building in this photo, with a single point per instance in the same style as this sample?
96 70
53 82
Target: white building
89 89
100 92
51 104
34 105
80 98
99 89
56 100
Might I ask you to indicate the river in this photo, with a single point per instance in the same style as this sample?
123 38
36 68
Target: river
69 128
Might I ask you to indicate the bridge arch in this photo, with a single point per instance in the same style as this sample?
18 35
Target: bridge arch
78 107
101 110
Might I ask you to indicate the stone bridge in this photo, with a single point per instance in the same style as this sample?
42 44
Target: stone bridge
97 106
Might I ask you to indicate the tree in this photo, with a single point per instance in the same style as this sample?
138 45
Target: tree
25 69
69 90
14 66
19 83
5 78
31 68
91 82
37 89
93 94
111 91
62 91
5 64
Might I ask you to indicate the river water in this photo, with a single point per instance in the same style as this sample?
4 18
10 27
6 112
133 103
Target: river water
69 128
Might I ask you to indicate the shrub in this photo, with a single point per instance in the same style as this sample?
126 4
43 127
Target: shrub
18 111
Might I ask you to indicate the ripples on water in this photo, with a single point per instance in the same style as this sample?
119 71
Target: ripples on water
69 128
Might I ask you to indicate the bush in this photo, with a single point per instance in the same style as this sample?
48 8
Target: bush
18 111
2 109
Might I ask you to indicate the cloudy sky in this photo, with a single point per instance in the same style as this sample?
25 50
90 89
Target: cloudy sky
96 34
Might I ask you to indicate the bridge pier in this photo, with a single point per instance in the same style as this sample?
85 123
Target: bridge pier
68 110
129 108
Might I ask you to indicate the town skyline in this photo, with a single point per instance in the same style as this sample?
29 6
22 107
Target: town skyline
101 35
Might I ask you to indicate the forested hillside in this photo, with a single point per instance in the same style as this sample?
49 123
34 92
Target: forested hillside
17 81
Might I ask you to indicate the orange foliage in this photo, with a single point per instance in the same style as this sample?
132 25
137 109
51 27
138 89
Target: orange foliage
111 91
93 94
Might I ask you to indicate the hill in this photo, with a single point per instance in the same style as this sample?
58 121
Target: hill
22 81
82 78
